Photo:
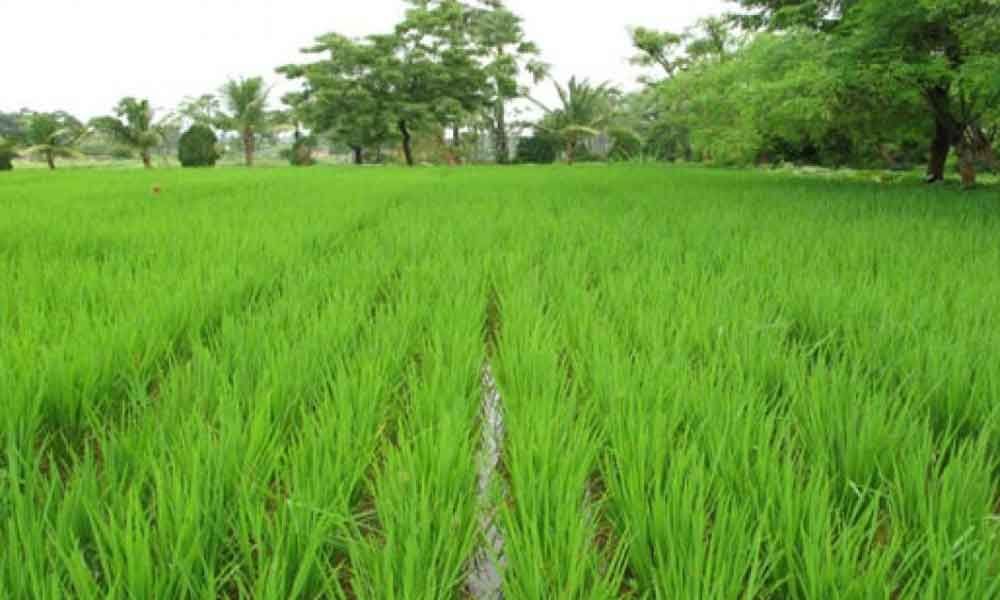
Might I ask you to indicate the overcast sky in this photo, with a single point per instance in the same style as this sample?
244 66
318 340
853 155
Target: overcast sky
83 55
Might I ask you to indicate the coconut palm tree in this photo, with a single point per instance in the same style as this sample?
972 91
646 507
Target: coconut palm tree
245 102
584 110
133 127
52 135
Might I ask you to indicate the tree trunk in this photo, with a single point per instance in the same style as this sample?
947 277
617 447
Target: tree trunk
147 160
940 148
51 159
359 155
248 147
407 139
456 139
570 147
500 121
967 164
500 132
946 132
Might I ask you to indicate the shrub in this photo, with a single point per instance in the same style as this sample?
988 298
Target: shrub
122 153
197 147
301 152
7 155
625 145
536 150
583 154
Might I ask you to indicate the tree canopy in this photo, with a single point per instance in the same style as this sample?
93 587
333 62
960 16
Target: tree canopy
243 110
446 60
835 82
133 126
51 135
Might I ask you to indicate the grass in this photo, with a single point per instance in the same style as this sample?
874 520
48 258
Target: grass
716 384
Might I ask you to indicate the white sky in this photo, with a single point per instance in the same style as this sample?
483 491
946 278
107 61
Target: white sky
84 55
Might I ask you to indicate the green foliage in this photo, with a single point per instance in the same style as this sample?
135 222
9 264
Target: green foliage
625 144
198 147
498 35
203 110
10 126
301 152
133 129
51 135
883 58
7 154
584 110
658 48
242 109
536 149
344 97
713 384
444 61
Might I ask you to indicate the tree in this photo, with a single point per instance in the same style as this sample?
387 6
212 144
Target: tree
945 50
584 109
345 94
508 56
245 112
52 135
133 127
423 74
203 110
948 50
198 147
658 48
774 15
436 69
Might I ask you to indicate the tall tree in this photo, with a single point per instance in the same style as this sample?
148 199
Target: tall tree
946 50
52 135
508 56
424 73
583 111
245 112
437 70
134 127
658 49
346 93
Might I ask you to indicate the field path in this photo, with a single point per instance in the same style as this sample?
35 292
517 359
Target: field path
486 577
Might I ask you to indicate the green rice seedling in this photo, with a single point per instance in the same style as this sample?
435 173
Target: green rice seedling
551 519
715 384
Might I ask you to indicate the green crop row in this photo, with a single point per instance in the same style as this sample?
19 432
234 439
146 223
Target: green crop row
713 384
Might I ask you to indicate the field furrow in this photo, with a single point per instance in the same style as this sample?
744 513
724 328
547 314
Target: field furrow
639 382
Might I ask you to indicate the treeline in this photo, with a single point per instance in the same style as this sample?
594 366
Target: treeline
862 83
195 132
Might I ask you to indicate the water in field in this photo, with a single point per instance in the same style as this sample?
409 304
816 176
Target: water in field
588 382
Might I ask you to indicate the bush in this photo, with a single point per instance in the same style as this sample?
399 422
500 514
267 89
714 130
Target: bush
7 155
197 147
122 153
301 152
583 154
536 150
625 145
